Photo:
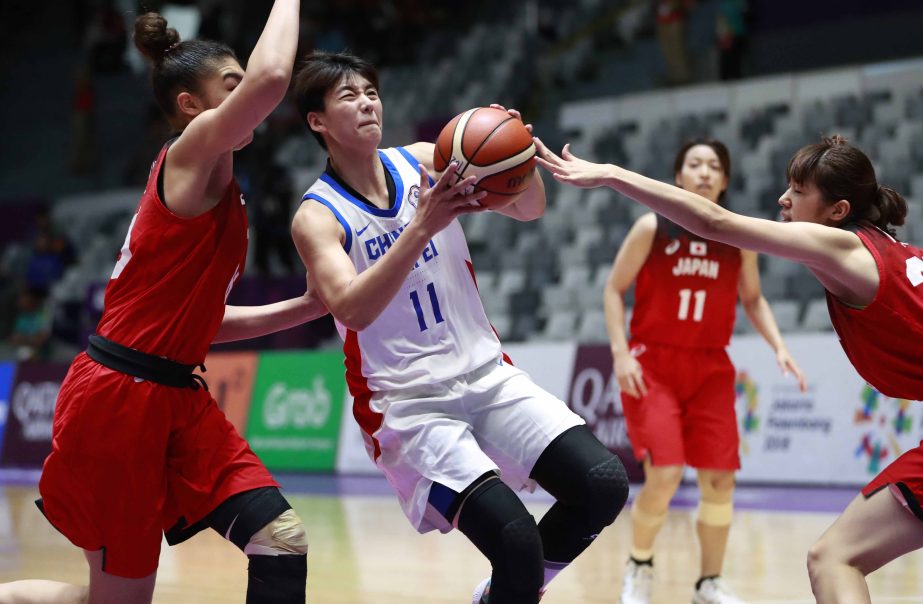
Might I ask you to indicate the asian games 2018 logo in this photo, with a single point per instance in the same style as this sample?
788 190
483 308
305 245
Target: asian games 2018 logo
886 419
745 388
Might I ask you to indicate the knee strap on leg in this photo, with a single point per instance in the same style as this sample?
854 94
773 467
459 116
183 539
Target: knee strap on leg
262 524
284 535
243 515
715 514
278 562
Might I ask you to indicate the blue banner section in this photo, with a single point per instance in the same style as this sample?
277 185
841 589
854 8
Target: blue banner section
7 372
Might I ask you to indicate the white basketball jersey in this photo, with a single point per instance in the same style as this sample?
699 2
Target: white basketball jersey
435 328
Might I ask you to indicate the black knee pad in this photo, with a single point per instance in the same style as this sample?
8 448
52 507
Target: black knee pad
580 472
607 483
498 524
277 579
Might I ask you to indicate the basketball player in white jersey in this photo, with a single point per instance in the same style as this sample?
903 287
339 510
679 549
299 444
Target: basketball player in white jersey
452 424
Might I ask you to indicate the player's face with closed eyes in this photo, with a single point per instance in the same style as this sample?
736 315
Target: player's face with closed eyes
353 112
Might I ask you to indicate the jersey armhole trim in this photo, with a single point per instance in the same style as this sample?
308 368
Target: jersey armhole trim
348 244
413 162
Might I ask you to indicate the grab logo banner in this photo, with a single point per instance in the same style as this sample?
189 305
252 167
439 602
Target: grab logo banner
294 419
27 439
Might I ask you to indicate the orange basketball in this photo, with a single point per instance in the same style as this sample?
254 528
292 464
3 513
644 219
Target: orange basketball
492 145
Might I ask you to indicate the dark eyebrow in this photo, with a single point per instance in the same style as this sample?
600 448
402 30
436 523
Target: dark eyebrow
234 76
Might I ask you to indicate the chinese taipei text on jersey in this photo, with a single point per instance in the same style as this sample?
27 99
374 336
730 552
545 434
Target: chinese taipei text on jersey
435 328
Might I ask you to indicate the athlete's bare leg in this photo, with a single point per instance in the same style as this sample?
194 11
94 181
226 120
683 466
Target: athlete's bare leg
110 589
39 591
715 487
867 535
653 500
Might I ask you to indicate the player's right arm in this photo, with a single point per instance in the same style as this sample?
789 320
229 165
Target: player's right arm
628 262
821 248
224 128
354 299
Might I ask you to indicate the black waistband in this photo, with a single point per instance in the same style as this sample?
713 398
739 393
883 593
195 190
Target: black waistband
145 366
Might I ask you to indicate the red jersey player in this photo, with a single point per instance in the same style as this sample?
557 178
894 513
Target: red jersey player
676 379
140 447
836 220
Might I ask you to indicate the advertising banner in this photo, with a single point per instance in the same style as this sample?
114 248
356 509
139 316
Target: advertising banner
7 371
28 428
296 410
841 431
594 395
230 378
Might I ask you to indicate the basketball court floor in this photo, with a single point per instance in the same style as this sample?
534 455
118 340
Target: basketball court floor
363 551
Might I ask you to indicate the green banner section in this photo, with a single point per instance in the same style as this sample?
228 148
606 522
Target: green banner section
296 410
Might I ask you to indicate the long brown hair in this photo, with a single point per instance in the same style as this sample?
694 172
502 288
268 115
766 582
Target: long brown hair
178 65
841 171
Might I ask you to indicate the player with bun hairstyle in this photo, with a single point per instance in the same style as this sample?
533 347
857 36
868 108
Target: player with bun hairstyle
838 221
675 376
140 448
445 415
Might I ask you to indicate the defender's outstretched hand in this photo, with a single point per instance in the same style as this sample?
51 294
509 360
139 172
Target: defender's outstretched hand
570 169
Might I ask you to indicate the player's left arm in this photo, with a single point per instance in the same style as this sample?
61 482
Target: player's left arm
245 322
531 204
760 314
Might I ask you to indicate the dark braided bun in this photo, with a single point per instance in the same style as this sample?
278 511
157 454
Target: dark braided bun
153 38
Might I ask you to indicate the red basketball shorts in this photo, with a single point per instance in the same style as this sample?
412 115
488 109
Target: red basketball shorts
130 458
687 416
905 477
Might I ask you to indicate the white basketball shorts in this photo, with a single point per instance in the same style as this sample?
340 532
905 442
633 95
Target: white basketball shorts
453 432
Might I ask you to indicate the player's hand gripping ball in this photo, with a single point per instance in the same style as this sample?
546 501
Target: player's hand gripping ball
492 145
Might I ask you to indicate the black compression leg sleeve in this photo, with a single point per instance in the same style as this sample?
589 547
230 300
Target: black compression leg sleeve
277 579
590 486
498 524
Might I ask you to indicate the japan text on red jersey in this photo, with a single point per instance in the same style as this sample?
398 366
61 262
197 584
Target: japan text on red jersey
167 291
883 340
686 291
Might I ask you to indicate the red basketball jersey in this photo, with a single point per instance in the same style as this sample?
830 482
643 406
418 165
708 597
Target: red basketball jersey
167 292
883 340
686 291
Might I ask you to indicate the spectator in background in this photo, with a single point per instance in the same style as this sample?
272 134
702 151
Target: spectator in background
106 39
52 252
731 33
32 326
671 32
